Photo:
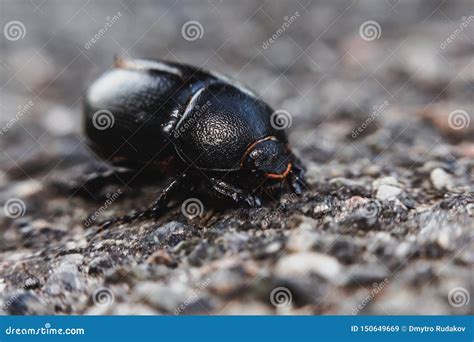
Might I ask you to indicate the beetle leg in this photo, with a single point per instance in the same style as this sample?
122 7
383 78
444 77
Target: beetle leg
95 181
90 185
236 194
155 210
295 180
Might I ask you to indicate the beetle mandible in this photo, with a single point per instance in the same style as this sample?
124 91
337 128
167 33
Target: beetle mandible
207 130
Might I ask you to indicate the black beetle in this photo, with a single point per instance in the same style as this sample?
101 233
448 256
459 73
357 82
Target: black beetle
204 128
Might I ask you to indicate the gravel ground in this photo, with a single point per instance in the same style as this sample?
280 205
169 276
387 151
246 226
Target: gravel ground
380 100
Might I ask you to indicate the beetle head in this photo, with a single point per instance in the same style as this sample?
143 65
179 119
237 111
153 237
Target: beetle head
268 156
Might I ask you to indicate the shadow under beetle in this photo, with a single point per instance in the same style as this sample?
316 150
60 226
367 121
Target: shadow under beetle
206 130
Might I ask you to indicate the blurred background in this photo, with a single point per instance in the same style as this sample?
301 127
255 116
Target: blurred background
379 98
318 66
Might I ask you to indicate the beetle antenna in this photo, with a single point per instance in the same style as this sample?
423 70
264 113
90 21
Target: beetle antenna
154 211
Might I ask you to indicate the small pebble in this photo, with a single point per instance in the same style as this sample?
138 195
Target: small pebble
441 179
387 192
306 263
166 298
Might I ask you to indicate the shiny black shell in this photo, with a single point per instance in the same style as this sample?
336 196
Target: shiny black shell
162 110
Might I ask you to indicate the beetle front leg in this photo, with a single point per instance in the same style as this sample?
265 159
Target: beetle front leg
238 195
295 179
156 209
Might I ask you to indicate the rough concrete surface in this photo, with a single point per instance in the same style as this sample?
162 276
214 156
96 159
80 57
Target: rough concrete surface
379 94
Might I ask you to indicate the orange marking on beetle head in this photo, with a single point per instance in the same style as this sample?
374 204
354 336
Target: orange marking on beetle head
280 175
